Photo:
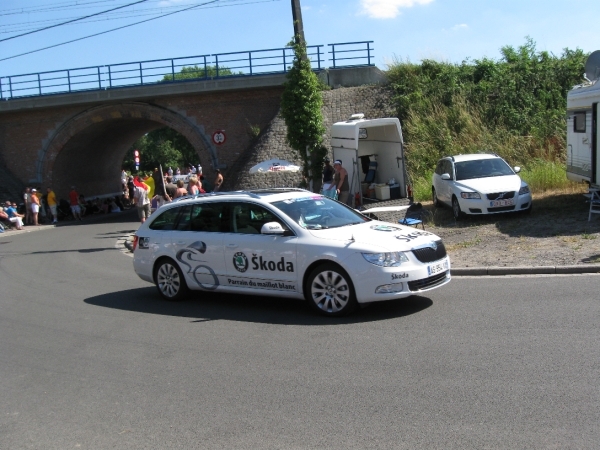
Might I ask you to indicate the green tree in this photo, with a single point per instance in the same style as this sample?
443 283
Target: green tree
165 147
193 72
301 104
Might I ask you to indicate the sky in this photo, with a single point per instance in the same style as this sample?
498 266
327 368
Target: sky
401 30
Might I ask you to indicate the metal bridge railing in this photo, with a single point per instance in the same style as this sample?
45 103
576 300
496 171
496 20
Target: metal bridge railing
201 67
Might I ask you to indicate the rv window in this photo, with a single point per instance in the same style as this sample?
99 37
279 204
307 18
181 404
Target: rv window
579 122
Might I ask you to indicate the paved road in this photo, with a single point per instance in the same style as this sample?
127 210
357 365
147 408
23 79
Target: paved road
91 358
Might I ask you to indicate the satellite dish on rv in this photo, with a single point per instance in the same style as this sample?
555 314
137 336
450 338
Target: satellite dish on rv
592 66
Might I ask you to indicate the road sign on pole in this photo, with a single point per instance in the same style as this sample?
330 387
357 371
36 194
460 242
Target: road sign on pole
219 137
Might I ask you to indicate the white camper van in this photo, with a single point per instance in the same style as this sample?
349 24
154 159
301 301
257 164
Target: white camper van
583 126
372 151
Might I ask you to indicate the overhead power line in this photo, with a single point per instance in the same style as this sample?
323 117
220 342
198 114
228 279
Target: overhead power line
73 20
108 31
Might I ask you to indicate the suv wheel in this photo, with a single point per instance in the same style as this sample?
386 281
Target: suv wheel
329 290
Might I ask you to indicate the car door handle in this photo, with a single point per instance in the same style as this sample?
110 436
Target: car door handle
232 245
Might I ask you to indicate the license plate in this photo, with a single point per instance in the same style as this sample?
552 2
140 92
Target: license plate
507 202
442 266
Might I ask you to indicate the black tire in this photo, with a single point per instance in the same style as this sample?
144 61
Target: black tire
329 291
456 211
169 281
436 201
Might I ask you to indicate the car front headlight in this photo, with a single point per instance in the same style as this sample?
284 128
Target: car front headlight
524 190
470 195
391 259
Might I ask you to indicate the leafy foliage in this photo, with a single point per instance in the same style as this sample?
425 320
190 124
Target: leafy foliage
515 107
163 146
193 72
301 104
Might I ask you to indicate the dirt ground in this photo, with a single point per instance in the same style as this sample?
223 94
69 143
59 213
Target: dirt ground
555 233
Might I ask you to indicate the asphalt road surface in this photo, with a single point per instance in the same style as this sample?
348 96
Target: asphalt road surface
91 358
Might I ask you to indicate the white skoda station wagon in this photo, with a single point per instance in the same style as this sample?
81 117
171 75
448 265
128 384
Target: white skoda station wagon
285 243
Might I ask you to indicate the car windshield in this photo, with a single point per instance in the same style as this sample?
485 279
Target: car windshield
317 212
482 168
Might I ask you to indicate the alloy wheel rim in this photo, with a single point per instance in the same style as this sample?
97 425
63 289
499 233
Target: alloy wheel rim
330 291
168 280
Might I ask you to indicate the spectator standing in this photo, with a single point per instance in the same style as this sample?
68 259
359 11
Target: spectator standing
27 201
218 181
178 171
13 215
74 202
181 190
170 171
193 188
34 202
142 202
52 204
329 188
340 179
170 188
123 179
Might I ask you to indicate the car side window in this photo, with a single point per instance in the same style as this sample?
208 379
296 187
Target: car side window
249 218
211 217
448 169
440 167
166 220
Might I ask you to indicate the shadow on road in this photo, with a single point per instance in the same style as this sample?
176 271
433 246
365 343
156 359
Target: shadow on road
203 307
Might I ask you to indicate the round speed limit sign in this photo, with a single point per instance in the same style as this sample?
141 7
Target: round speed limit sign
218 137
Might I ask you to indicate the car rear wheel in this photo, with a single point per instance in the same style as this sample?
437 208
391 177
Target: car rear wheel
329 291
456 211
169 281
436 201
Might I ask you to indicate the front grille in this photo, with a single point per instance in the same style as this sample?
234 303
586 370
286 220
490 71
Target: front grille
428 254
501 208
475 210
426 283
501 195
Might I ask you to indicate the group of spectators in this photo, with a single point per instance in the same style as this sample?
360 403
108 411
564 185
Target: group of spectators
36 209
136 191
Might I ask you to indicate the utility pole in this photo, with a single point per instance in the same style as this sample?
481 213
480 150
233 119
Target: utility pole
298 27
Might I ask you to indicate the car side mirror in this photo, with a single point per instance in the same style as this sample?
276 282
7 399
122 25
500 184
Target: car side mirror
446 176
517 169
275 228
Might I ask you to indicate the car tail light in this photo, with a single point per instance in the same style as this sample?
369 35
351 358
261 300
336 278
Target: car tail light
135 242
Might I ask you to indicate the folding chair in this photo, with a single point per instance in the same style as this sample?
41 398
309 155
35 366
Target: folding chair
414 216
594 203
370 176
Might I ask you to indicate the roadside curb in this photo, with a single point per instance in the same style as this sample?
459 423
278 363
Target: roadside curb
525 270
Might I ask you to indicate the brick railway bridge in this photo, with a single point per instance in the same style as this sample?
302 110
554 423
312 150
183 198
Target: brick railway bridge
81 138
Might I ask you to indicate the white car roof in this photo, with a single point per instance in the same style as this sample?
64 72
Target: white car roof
473 157
267 195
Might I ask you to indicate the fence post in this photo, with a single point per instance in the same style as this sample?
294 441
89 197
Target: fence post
284 64
318 57
99 78
173 69
141 75
217 66
250 61
1 90
10 86
333 54
39 85
69 79
109 77
369 53
205 68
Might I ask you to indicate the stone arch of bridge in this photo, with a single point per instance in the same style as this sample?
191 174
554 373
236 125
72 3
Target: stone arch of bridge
87 150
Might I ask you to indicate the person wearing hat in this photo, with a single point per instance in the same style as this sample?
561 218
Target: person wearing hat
35 206
340 179
329 188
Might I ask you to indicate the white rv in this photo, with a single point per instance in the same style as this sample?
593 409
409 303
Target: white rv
372 151
583 126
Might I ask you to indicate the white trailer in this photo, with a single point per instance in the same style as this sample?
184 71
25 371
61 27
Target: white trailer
358 141
583 127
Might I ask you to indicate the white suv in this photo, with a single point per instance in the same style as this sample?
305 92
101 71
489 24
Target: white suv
479 184
285 243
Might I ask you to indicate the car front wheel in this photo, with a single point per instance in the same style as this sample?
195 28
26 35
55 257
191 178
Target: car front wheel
169 281
456 211
329 291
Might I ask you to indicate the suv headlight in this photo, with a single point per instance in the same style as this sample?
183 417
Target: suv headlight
470 195
524 190
392 259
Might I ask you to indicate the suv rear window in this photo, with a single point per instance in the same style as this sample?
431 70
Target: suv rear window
166 220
